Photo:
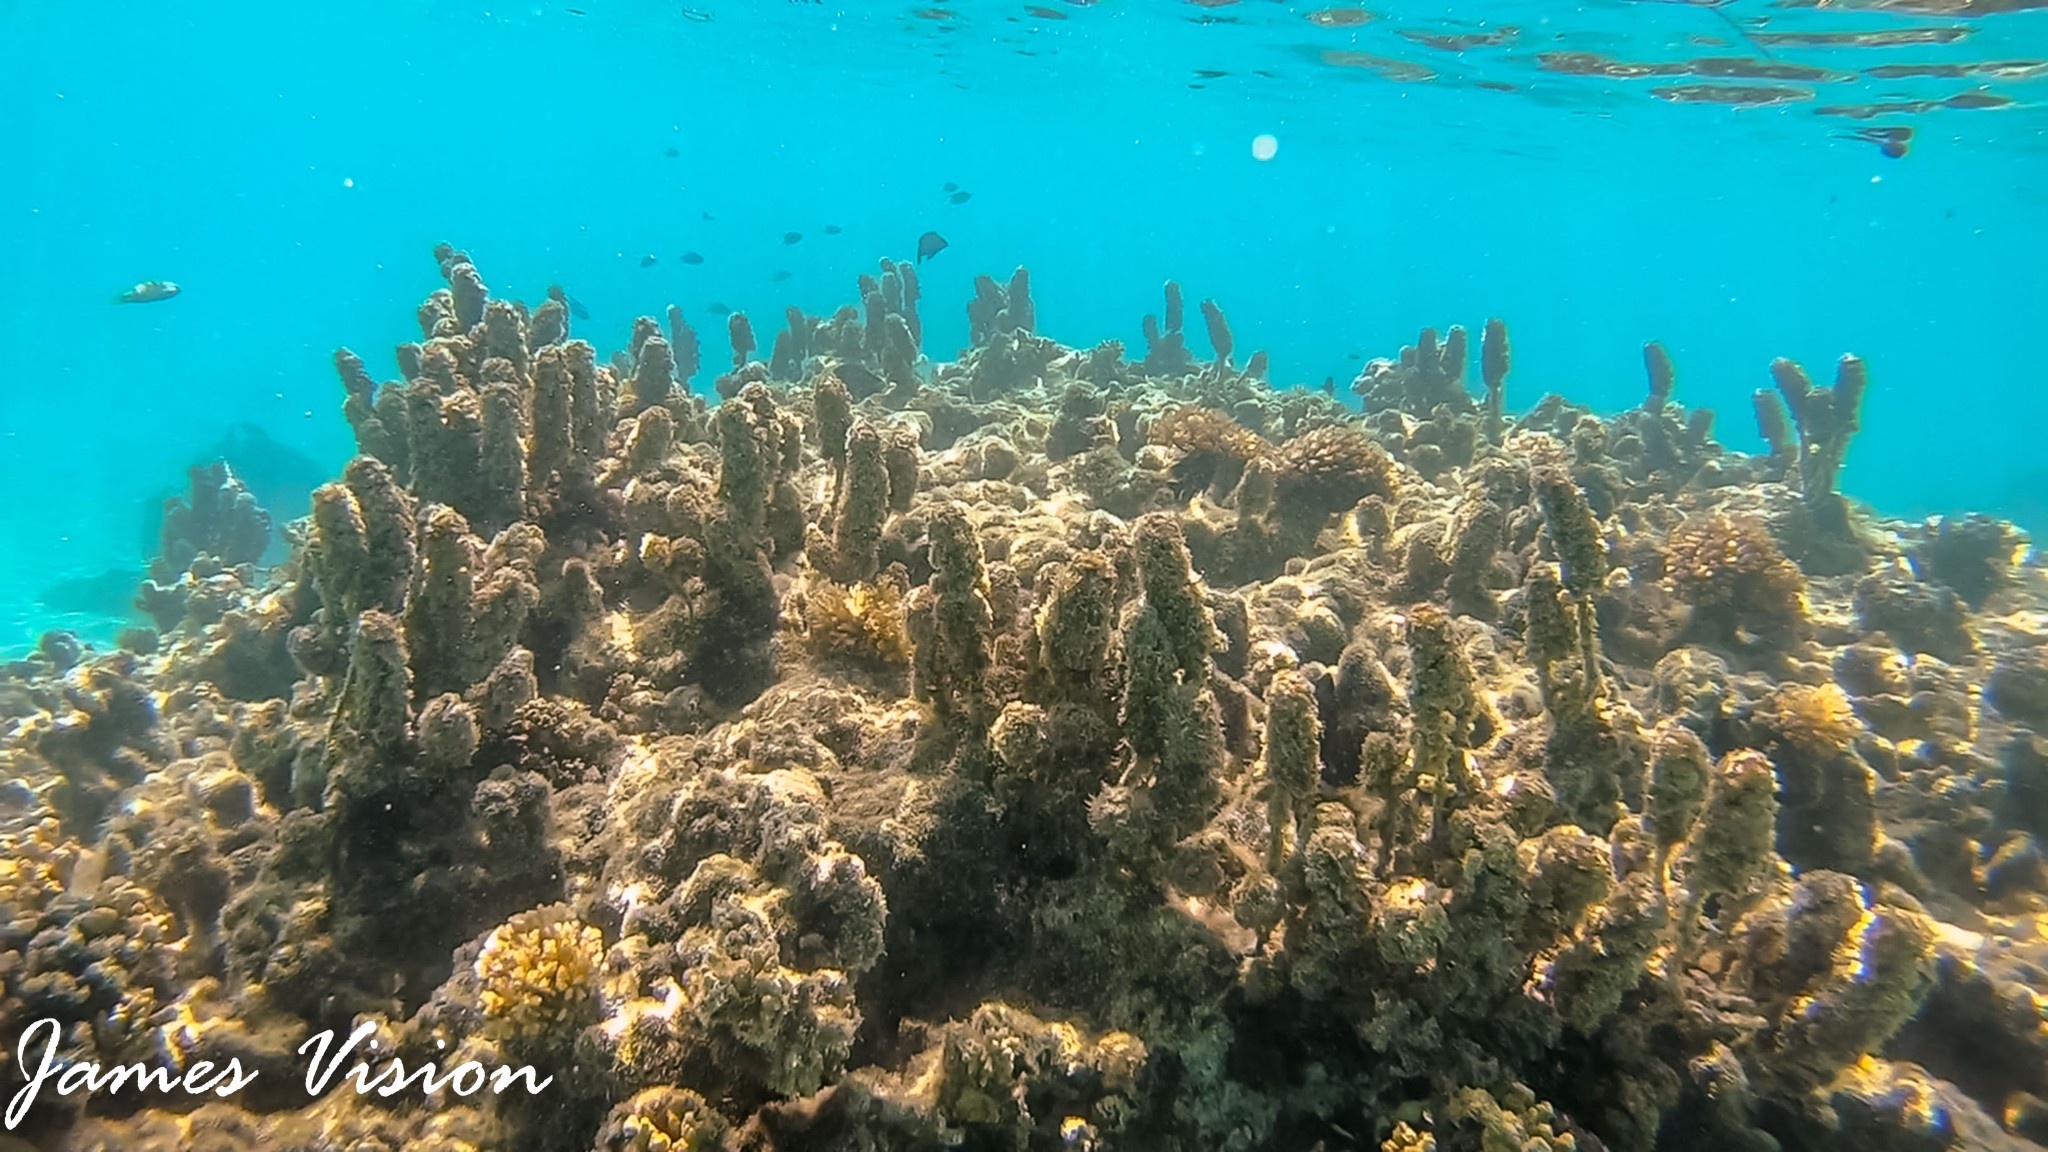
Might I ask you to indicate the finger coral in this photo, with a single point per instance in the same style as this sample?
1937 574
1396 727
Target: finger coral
1741 587
538 973
1046 750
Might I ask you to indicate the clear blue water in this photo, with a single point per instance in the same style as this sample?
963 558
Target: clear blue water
292 166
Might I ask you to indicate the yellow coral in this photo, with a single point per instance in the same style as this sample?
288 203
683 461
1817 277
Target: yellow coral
864 622
1407 1139
665 1119
1514 1122
538 971
1815 721
35 866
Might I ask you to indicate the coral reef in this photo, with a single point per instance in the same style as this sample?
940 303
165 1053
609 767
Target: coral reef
1045 750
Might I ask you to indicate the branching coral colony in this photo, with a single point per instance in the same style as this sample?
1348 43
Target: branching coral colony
1046 750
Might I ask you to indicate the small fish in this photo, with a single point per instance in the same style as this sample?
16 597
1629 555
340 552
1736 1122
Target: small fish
833 229
692 258
575 11
780 276
148 292
1210 74
929 245
1892 142
952 187
717 309
959 197
1046 13
648 261
707 216
672 153
696 16
792 237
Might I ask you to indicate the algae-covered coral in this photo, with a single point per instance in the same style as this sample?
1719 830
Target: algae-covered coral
1045 750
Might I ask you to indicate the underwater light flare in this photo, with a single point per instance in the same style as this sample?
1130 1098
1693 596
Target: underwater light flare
1265 146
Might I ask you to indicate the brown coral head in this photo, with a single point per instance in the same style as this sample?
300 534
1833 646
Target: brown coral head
1329 469
742 332
1194 430
1733 573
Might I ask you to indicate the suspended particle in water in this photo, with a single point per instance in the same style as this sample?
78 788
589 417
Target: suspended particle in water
1265 146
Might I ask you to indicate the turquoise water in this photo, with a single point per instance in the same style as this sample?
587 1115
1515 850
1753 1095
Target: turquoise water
291 169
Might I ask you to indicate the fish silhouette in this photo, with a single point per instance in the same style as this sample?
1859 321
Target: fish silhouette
833 229
148 292
780 276
692 258
952 187
959 197
792 237
1893 142
575 306
648 261
929 245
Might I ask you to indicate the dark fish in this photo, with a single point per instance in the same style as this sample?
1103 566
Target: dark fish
717 309
1210 74
575 306
575 11
780 276
929 245
672 153
707 215
1046 13
1892 142
833 229
648 261
109 594
696 16
952 187
148 292
692 258
792 237
959 197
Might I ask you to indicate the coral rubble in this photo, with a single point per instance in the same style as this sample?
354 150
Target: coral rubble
1045 750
